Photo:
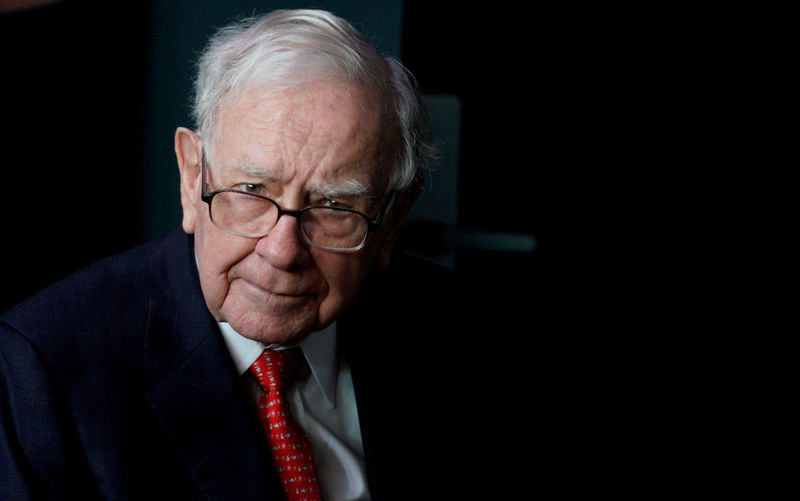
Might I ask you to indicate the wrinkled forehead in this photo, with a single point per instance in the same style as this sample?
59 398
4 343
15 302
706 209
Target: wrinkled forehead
316 109
326 133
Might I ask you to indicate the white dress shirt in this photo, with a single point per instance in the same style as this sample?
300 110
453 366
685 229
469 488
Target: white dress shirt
323 403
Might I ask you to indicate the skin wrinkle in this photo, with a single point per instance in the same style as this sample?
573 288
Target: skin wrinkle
325 189
301 139
323 136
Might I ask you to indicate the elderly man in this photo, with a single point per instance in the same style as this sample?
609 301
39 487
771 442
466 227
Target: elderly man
268 350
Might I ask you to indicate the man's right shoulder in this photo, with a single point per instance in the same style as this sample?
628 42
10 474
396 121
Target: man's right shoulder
106 288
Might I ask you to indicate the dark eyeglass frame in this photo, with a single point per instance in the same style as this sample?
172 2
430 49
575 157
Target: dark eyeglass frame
372 223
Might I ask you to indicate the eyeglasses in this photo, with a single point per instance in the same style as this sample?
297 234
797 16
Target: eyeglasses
249 215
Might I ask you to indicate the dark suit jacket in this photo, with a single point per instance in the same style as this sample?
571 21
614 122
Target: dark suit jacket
115 383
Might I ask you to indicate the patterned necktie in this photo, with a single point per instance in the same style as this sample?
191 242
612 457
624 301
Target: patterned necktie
290 447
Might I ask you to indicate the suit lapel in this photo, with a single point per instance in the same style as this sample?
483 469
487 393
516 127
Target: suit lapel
374 395
203 411
371 433
410 411
201 404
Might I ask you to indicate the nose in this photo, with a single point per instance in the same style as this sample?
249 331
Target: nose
283 247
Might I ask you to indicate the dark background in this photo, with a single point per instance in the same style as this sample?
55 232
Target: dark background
93 90
73 107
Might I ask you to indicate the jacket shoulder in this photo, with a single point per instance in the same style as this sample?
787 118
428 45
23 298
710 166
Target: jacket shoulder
113 291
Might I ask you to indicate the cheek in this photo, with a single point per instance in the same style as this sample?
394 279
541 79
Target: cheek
216 253
344 274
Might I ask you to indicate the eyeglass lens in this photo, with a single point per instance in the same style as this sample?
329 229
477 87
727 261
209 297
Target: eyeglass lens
253 216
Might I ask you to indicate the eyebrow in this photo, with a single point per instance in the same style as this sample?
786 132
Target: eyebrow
249 168
346 188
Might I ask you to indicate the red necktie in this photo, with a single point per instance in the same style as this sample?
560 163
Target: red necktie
290 447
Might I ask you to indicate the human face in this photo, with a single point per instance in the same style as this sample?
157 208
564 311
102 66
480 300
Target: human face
296 147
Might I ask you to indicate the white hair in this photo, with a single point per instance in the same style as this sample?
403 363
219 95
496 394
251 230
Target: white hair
290 47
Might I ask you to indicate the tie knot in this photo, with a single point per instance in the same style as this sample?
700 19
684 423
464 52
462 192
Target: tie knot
274 368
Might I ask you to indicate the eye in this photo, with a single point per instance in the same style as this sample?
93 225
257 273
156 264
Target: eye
336 204
255 189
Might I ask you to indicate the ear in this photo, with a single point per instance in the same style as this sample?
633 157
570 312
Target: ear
188 150
402 205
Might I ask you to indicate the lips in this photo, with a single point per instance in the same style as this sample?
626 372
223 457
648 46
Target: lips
275 290
262 283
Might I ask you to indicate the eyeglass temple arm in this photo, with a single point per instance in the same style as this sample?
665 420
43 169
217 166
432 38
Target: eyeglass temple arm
203 169
389 204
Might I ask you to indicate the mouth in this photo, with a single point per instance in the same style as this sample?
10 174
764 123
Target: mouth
253 289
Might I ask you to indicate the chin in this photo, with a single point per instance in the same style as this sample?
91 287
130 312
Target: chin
284 330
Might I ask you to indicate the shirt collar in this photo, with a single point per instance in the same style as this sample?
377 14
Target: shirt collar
319 349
